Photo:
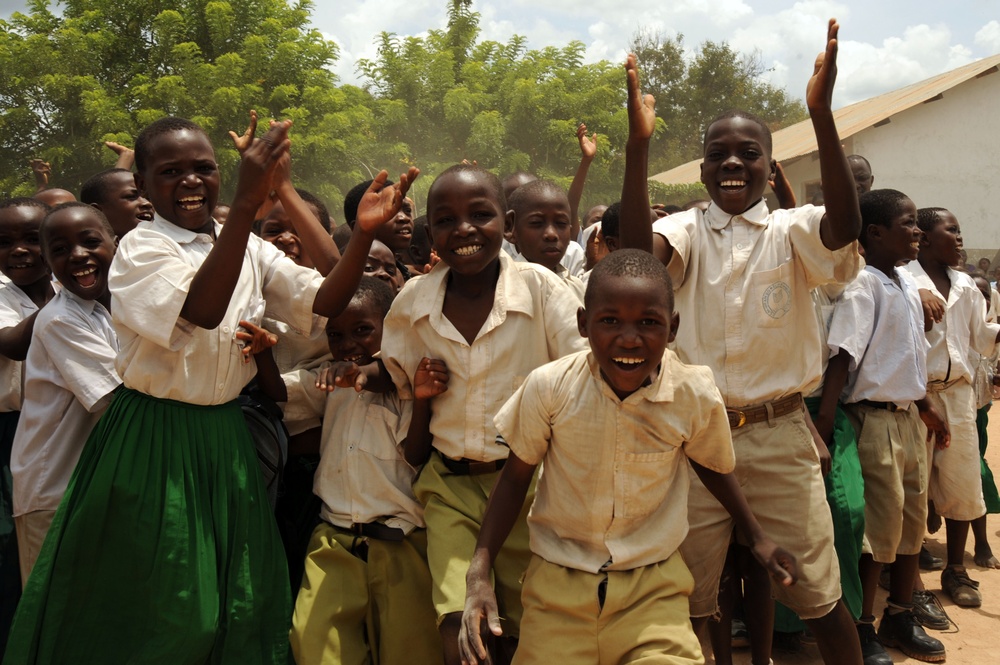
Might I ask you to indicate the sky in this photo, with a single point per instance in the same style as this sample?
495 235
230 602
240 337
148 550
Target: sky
884 44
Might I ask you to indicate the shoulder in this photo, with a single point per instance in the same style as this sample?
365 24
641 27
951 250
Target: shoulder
687 220
696 380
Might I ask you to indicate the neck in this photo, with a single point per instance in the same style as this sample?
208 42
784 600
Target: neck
471 286
885 264
40 292
105 299
933 268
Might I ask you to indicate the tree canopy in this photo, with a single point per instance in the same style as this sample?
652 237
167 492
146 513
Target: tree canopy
103 69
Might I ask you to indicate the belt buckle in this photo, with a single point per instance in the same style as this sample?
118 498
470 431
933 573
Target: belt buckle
741 418
479 468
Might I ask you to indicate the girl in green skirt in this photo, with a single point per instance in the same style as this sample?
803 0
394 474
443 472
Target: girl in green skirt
163 549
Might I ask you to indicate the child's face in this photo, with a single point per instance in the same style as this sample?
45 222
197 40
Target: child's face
984 288
79 250
181 179
355 335
943 243
901 239
278 230
541 227
737 164
398 235
466 222
381 264
123 205
20 251
629 324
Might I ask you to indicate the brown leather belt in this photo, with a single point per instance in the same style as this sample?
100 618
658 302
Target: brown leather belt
378 531
758 413
468 467
892 407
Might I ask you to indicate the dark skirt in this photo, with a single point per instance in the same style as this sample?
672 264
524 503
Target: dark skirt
163 550
10 570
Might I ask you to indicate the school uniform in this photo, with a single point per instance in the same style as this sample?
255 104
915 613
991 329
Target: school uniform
69 380
983 386
296 351
955 482
164 549
366 591
879 323
606 584
742 288
533 321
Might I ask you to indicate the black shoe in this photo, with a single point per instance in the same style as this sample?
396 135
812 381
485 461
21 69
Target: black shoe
871 649
930 562
902 631
928 612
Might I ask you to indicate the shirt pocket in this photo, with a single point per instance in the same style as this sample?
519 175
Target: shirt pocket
772 297
379 443
645 481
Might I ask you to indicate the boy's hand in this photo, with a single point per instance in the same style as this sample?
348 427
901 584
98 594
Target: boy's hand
341 374
777 561
588 146
936 426
431 379
819 90
41 169
933 306
255 339
117 148
641 109
259 163
381 204
241 143
480 603
434 260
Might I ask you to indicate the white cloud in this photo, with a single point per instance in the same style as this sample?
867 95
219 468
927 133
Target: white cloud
988 37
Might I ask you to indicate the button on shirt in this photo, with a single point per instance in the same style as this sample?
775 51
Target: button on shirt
963 328
533 321
743 286
624 460
167 357
15 306
880 324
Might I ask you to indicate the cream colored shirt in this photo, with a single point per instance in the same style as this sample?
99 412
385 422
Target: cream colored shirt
295 351
575 284
362 475
613 490
533 321
167 357
743 287
963 329
15 306
69 378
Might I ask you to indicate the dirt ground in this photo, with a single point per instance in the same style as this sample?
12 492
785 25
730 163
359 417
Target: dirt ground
975 640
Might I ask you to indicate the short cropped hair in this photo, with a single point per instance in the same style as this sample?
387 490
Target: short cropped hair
375 292
43 240
23 202
95 189
609 220
630 263
860 158
927 218
746 115
353 200
520 196
878 207
491 180
156 129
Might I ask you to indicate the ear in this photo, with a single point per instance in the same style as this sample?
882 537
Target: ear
140 183
610 242
97 205
581 321
701 170
430 238
508 227
675 321
774 170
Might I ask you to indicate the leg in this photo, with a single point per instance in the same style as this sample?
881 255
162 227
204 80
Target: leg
836 637
954 579
759 607
957 532
720 632
983 552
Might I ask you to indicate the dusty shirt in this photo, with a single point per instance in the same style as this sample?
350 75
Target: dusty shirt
15 306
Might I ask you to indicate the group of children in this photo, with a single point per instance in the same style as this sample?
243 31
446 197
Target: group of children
512 448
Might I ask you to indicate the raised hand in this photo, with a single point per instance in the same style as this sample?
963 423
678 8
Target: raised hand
260 161
381 204
341 374
431 379
588 146
819 90
641 108
42 170
242 142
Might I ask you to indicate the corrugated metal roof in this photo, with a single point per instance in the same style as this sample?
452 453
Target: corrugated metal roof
799 139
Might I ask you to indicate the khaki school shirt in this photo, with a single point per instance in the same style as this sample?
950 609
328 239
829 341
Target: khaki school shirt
613 492
742 286
15 306
533 321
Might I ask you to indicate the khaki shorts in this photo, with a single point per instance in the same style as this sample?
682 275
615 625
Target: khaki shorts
31 530
893 452
777 467
352 611
956 487
454 506
644 617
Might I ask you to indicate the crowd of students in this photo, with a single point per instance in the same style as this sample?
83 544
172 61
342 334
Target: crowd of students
504 444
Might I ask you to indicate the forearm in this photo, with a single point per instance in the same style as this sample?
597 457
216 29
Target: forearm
502 510
318 243
417 446
342 281
634 228
15 340
126 159
840 194
833 385
726 490
576 194
269 377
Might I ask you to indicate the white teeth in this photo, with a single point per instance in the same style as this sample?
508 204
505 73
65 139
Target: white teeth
629 361
469 250
83 273
733 183
191 198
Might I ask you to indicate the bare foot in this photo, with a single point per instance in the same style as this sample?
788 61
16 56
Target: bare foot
985 559
933 522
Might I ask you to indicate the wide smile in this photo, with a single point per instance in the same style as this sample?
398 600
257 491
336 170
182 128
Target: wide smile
467 250
191 203
144 216
357 358
86 277
732 185
628 363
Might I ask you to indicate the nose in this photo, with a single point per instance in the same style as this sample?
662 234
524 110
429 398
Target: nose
190 179
549 232
730 162
144 204
78 252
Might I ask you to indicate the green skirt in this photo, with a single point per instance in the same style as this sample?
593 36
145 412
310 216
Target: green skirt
990 494
163 550
10 570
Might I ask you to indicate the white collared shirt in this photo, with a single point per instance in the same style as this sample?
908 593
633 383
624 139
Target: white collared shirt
613 490
533 321
15 306
167 357
573 260
742 288
963 329
880 324
69 378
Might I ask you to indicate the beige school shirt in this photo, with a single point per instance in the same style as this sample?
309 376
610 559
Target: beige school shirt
15 306
362 475
298 351
742 288
533 321
167 357
613 492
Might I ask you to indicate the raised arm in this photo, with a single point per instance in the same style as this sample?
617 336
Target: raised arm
41 170
842 223
634 228
588 150
317 241
126 156
782 188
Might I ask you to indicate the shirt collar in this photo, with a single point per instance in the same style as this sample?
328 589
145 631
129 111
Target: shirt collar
661 390
718 218
180 235
86 305
512 294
